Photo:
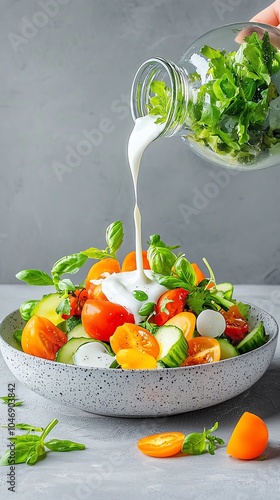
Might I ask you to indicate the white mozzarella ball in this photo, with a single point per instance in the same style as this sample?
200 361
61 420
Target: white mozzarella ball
210 323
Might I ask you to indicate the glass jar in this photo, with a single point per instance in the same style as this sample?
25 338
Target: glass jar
222 98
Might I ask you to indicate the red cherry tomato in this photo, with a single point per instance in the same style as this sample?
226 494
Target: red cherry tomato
170 303
100 318
77 301
236 326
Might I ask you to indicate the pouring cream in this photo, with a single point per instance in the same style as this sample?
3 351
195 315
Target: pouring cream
119 287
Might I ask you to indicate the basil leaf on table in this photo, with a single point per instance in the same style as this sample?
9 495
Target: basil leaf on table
63 445
198 443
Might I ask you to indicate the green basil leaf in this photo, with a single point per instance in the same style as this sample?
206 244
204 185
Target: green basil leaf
156 241
146 309
184 270
161 259
11 399
172 282
26 309
140 295
114 236
35 277
194 443
63 445
18 456
63 306
70 264
27 427
95 253
115 364
27 439
36 453
66 284
18 335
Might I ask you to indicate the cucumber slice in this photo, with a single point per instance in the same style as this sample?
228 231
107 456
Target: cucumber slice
244 309
256 338
67 351
46 308
227 349
173 346
77 332
226 289
72 322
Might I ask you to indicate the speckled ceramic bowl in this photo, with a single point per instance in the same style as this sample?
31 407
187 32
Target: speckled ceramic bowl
139 393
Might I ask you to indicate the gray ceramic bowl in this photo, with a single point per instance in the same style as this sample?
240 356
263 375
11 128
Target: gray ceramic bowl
139 393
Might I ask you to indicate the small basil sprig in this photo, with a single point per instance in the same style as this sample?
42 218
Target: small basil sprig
114 239
198 443
70 264
30 448
160 256
184 270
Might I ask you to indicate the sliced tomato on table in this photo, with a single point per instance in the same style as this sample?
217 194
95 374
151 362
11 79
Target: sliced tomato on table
100 318
166 444
170 303
236 326
40 337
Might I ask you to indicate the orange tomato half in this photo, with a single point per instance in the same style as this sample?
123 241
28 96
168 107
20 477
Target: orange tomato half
199 274
133 359
185 321
249 437
133 336
102 268
40 337
129 262
166 444
202 350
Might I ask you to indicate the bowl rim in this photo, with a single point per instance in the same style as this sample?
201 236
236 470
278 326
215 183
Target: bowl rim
272 338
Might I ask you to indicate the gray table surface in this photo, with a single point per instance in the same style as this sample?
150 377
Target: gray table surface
111 467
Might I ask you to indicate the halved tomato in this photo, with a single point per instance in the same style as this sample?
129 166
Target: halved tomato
100 318
162 445
170 303
202 350
40 337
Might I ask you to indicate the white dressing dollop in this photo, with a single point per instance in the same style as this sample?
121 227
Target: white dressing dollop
119 288
93 354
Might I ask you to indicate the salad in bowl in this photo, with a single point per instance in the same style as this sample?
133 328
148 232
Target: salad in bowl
178 316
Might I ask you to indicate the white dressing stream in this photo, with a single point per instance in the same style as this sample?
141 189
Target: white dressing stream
118 287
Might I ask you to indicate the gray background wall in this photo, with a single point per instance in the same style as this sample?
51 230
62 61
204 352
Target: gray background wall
72 74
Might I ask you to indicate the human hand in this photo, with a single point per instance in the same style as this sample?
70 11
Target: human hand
269 15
